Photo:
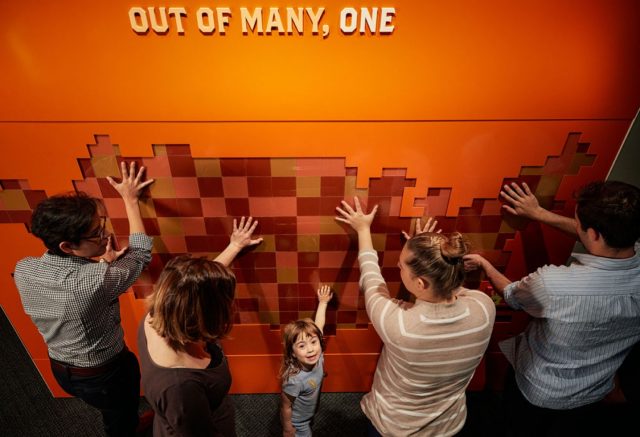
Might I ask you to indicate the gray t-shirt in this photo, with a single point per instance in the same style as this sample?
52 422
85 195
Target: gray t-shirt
305 387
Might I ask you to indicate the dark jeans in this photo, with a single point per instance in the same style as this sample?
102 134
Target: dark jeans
526 419
116 393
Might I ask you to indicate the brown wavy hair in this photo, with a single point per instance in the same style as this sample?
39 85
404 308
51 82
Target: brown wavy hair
438 257
193 301
290 364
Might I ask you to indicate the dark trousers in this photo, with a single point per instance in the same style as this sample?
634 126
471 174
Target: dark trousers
116 392
526 419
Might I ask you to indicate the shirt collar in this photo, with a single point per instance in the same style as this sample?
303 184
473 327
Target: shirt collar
64 261
603 263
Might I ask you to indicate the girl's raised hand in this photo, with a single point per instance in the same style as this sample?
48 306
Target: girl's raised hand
356 218
242 233
324 293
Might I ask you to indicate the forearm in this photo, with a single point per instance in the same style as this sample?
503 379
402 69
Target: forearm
364 240
228 254
560 222
136 226
321 314
497 279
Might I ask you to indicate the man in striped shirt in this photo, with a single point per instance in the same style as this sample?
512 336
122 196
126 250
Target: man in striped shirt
586 316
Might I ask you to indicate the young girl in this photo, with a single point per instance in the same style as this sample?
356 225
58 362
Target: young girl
302 369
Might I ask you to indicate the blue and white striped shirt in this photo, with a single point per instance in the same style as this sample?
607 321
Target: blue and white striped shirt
586 319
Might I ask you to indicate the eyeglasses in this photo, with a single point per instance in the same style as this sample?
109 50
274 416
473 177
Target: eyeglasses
100 233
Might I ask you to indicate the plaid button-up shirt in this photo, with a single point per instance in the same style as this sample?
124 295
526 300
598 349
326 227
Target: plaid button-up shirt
73 301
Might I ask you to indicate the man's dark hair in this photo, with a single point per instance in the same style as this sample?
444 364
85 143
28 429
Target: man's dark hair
612 209
64 217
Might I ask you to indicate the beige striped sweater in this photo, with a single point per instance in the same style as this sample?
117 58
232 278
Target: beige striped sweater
429 355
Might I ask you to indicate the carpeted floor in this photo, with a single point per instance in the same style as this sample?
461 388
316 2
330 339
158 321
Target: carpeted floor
27 408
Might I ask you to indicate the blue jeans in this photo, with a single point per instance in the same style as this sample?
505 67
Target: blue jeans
116 393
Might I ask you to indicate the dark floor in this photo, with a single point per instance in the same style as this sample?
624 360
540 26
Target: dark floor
28 409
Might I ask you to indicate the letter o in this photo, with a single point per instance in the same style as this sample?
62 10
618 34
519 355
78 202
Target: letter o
344 15
138 20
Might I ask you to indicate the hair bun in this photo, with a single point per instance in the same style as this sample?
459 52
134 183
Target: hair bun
454 248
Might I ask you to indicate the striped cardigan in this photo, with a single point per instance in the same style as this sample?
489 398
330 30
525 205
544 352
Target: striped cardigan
429 355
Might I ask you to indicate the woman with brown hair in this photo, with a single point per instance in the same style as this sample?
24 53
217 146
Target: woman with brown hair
185 374
432 346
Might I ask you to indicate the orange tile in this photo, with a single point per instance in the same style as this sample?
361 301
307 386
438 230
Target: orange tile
213 207
286 259
186 187
235 186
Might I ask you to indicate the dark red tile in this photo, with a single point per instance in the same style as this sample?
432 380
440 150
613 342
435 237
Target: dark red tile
283 186
206 243
288 316
288 304
210 187
394 241
447 224
20 217
502 239
351 171
259 186
10 184
347 316
218 225
328 205
490 223
266 276
182 166
307 276
391 274
34 197
338 242
86 168
233 167
287 243
237 207
142 291
256 260
247 304
307 304
178 149
266 225
189 207
108 192
308 206
332 186
398 185
121 226
258 167
288 290
467 224
286 225
380 187
308 259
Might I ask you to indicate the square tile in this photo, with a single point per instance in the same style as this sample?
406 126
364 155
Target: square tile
233 167
186 187
259 187
237 207
235 186
210 187
181 166
258 167
213 207
207 167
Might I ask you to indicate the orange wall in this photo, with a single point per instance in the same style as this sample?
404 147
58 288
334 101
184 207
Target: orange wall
462 95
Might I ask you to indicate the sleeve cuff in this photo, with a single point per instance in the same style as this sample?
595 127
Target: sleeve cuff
508 295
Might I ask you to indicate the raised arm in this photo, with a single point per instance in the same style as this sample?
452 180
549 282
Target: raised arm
130 188
324 296
240 238
359 221
522 203
429 226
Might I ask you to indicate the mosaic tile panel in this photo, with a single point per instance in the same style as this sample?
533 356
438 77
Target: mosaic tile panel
191 206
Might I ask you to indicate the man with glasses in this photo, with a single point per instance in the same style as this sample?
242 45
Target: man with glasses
71 294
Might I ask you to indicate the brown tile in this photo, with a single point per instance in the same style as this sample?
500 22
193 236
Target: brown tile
182 166
308 259
287 275
233 167
170 226
308 243
337 242
308 186
283 167
193 226
207 167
